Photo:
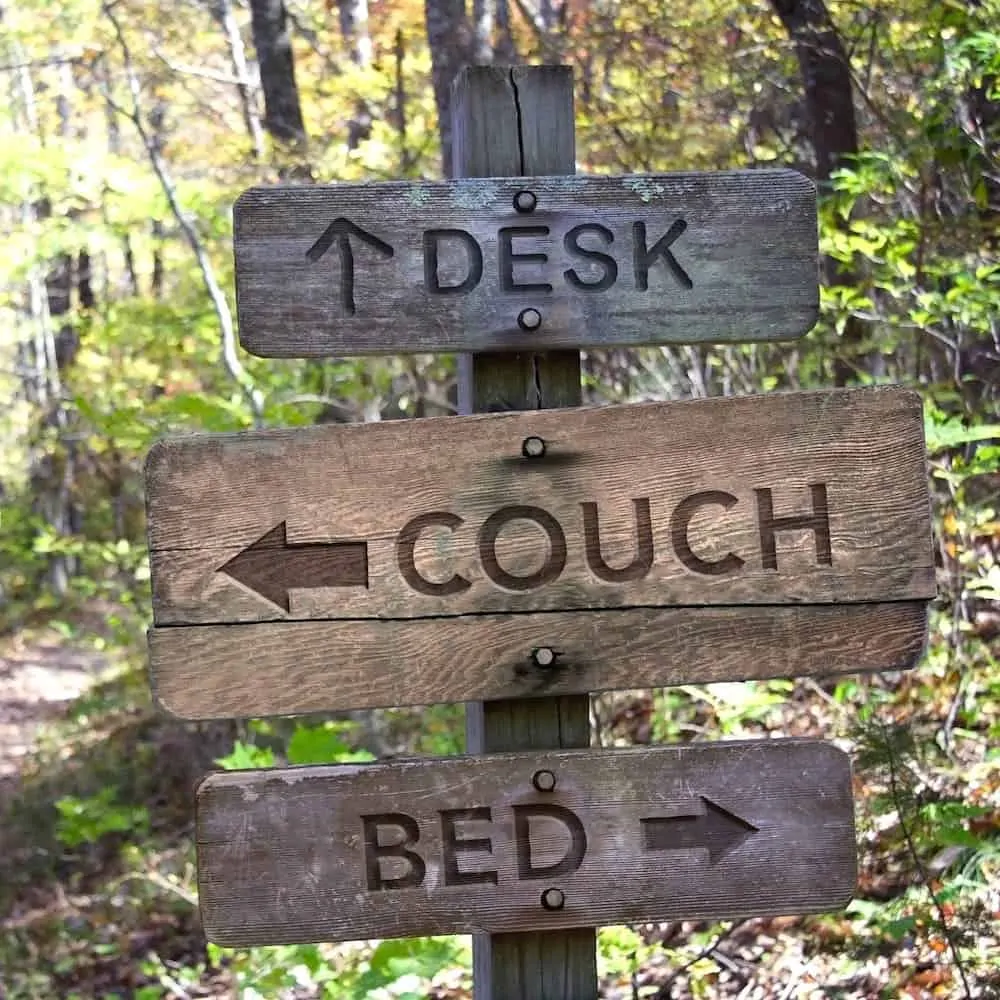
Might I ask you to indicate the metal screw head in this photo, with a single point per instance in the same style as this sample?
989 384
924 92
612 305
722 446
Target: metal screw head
525 201
533 447
553 899
544 781
529 319
543 656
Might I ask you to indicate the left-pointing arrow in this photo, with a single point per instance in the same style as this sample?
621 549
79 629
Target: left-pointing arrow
271 566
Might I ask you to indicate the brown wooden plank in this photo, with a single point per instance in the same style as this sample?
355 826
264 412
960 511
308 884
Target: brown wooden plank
456 845
222 671
452 519
606 261
509 121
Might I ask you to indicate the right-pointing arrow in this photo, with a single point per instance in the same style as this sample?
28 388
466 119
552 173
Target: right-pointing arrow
716 829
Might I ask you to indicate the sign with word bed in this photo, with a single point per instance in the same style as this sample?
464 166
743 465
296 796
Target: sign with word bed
517 841
526 263
544 552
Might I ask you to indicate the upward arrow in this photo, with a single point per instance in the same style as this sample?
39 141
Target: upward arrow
271 567
716 829
340 232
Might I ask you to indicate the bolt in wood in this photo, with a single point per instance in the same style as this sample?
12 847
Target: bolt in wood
533 447
525 201
553 899
529 319
544 781
543 656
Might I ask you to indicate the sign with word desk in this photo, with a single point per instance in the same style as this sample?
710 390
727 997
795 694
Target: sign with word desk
542 552
526 263
525 841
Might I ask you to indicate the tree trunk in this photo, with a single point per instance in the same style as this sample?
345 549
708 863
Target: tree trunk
826 76
52 464
449 39
483 16
158 274
826 79
399 111
979 118
504 50
282 109
222 11
130 279
354 28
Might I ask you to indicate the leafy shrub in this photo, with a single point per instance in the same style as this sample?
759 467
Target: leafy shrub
85 820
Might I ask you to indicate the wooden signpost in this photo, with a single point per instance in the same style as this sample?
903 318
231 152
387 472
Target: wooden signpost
806 512
557 839
520 560
529 263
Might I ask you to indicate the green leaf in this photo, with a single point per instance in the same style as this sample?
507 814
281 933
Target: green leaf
944 432
246 756
322 745
421 958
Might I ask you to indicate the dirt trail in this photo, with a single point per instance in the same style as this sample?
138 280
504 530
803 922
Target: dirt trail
38 681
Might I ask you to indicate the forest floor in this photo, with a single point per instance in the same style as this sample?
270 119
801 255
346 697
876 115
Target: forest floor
38 681
98 896
75 725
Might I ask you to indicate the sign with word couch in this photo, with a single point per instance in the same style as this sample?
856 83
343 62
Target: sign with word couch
445 559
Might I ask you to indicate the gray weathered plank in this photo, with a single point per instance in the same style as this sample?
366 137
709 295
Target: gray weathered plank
505 121
245 671
631 503
703 831
448 265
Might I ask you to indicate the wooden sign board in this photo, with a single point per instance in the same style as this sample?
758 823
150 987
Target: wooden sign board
525 841
530 263
538 553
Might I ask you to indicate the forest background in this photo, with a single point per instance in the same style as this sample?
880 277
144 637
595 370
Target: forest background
127 130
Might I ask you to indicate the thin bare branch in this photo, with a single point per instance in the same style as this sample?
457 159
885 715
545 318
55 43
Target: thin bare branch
223 313
215 76
36 63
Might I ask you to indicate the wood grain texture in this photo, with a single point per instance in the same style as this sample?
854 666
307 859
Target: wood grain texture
703 831
738 262
520 120
652 479
248 671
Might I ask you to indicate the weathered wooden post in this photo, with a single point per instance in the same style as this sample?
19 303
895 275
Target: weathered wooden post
519 122
528 552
